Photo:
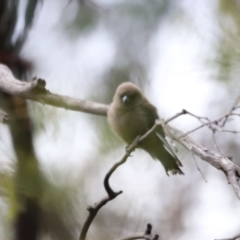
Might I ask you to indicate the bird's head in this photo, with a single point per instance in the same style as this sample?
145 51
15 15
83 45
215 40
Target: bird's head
128 95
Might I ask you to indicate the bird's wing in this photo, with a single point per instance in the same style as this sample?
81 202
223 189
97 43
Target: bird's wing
150 113
152 116
168 147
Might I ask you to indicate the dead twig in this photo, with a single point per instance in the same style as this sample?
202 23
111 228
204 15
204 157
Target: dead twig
144 235
93 210
228 167
233 238
195 160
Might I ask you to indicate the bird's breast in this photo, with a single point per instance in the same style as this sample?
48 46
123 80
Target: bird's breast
127 124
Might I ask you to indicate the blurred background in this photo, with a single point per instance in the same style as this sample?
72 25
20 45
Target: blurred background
183 54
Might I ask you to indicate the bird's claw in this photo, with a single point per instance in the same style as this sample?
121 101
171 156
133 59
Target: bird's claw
136 140
134 143
131 148
128 149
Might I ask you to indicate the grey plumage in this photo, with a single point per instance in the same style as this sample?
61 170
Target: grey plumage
131 115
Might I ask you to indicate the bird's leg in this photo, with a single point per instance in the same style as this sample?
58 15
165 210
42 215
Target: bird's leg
136 140
127 147
133 145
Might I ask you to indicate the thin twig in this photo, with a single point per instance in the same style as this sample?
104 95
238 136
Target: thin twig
136 236
215 143
144 235
93 210
201 119
220 162
229 131
195 160
233 238
175 116
213 125
191 131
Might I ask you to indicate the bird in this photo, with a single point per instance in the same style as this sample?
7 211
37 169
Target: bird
131 115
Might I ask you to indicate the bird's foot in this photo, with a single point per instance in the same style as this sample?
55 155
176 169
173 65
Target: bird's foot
134 143
131 148
136 140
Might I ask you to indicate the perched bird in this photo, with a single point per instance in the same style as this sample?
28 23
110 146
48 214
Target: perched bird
131 115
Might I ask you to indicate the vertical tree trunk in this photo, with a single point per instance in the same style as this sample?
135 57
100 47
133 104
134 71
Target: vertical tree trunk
27 178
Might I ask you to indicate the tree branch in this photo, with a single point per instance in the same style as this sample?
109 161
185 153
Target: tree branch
93 210
145 235
229 168
35 90
140 236
233 238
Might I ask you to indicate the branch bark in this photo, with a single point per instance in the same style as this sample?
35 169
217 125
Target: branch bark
226 165
35 90
93 210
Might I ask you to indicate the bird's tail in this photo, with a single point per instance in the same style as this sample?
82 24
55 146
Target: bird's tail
158 147
167 156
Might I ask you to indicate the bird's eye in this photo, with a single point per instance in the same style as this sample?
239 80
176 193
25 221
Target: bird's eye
125 98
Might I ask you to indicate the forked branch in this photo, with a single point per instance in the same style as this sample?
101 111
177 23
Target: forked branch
36 90
93 210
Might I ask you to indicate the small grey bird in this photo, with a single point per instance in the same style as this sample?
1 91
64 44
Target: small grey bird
131 115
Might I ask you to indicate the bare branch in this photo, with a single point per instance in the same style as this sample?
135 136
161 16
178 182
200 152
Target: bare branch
136 236
198 168
233 238
145 235
216 125
176 116
218 161
93 210
35 90
215 142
